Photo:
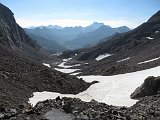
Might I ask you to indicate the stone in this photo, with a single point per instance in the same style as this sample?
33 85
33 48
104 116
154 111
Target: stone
151 86
13 110
2 109
58 98
67 107
39 105
27 118
1 115
93 101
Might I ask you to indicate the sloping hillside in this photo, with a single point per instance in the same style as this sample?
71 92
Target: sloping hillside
48 44
93 38
135 50
20 75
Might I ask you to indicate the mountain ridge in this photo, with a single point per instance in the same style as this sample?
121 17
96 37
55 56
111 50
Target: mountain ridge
76 37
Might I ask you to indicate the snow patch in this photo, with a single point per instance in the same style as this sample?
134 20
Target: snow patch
149 60
150 38
66 70
76 73
56 54
64 66
45 64
100 57
67 66
112 90
156 31
77 65
123 59
65 60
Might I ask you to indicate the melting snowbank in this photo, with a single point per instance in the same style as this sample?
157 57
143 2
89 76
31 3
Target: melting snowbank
113 90
123 59
149 60
64 66
100 57
66 70
150 38
45 64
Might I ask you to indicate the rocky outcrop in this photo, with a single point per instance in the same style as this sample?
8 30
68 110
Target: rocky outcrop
151 86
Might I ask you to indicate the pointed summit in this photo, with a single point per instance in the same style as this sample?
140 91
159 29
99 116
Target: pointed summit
54 27
96 25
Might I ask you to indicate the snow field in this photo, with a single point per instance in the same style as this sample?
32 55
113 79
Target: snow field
112 90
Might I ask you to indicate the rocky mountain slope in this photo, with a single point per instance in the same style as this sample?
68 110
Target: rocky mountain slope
93 37
20 75
135 50
14 37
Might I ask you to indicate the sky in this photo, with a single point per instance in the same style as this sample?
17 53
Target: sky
64 13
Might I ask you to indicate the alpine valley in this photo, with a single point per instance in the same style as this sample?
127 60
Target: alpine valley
79 73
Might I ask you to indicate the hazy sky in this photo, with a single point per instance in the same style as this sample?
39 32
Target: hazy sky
82 12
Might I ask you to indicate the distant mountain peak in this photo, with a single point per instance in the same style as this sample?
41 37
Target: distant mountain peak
54 27
96 25
49 27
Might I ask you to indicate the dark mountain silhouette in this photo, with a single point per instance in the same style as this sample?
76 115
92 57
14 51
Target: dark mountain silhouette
76 37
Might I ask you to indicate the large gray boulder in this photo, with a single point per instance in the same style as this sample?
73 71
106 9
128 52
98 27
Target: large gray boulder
151 86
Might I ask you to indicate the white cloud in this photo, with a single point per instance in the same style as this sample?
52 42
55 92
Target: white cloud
61 22
72 22
121 22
